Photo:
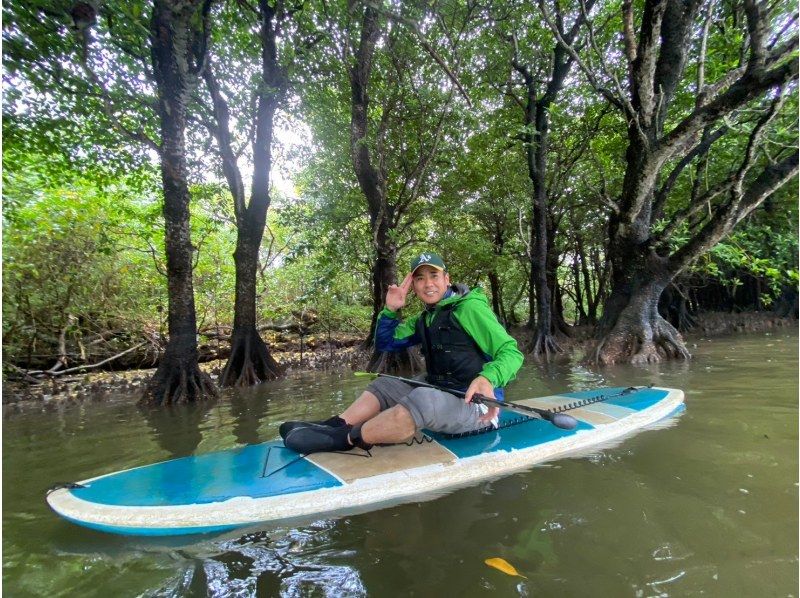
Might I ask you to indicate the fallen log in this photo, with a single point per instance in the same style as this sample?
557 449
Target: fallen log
80 368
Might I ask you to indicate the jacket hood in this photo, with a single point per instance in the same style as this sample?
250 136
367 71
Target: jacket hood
460 293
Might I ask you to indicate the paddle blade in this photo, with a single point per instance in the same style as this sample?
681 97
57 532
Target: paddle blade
365 375
504 566
564 421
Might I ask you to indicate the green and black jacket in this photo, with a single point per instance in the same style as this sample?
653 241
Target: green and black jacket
460 337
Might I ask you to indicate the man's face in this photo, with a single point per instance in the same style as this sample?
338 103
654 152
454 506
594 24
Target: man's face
430 284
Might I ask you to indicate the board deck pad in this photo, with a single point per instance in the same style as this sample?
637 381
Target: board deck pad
356 464
267 482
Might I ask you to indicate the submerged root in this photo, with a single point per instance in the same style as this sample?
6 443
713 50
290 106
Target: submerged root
670 341
644 343
176 383
543 345
612 349
647 353
250 362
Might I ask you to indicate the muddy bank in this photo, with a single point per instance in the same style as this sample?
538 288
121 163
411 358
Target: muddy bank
101 385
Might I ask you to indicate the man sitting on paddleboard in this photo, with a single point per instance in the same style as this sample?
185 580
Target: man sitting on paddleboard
465 349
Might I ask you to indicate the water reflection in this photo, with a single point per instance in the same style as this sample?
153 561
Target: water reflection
176 428
296 562
248 407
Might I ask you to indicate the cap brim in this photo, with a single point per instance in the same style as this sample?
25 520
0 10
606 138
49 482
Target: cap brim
439 268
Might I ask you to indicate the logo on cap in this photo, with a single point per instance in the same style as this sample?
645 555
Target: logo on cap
428 259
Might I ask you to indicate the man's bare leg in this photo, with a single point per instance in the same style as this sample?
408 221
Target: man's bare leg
379 427
363 408
390 426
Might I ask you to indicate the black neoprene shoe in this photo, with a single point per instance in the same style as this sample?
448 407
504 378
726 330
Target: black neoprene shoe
315 438
286 427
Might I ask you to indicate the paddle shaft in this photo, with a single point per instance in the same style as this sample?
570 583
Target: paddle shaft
560 420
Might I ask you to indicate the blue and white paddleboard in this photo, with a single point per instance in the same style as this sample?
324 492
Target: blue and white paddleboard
267 483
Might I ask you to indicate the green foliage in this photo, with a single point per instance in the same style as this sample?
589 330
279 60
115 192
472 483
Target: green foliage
757 250
54 107
87 260
75 261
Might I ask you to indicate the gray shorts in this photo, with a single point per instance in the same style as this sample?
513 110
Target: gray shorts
431 409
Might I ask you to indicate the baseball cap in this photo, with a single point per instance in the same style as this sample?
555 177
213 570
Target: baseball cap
428 258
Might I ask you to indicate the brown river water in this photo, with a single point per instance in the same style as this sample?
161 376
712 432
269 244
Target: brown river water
707 506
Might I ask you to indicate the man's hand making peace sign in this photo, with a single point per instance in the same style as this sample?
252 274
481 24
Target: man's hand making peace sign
396 295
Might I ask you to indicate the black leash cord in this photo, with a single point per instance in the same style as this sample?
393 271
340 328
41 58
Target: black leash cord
597 399
67 485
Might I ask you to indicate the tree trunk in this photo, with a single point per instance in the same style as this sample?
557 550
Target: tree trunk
543 342
639 333
405 361
178 378
674 306
497 298
582 319
370 179
631 328
537 122
560 325
384 274
372 182
531 324
251 362
588 313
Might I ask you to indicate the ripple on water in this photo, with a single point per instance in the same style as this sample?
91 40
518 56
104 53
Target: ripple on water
582 378
294 562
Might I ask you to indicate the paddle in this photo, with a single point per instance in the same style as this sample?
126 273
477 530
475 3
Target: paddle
559 420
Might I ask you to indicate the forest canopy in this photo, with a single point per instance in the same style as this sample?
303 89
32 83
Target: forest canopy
175 172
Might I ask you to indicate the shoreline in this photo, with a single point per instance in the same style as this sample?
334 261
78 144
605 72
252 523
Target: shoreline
99 386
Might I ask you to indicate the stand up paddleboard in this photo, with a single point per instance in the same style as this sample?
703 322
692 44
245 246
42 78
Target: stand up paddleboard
267 482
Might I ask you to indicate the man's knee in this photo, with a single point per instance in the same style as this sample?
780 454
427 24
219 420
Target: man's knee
401 415
367 396
363 408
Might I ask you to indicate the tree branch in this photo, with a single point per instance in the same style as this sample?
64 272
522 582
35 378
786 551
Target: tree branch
755 141
628 35
108 105
81 368
772 178
742 201
676 27
747 87
701 149
222 133
619 101
757 31
701 60
643 90
414 27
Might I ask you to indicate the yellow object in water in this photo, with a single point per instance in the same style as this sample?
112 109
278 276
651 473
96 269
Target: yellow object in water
504 566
